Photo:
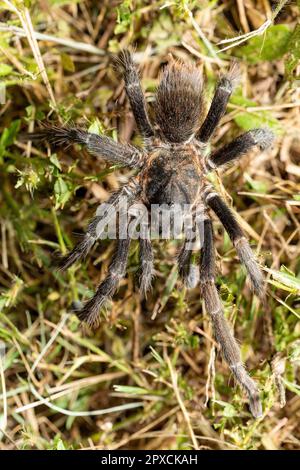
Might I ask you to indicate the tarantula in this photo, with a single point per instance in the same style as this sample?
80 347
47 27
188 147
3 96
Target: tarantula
172 168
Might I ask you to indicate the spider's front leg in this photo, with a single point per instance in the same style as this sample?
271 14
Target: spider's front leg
221 328
116 271
217 108
95 228
237 236
262 138
101 146
135 93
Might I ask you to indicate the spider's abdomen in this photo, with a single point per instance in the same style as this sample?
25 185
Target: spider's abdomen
172 178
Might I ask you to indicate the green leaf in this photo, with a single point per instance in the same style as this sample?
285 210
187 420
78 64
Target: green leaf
272 45
251 119
60 445
96 127
157 356
124 17
8 135
228 410
5 70
62 193
131 390
257 186
293 56
67 62
286 280
54 160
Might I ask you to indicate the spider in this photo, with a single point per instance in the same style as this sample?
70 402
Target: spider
172 167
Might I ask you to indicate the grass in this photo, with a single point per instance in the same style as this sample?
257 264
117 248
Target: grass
140 382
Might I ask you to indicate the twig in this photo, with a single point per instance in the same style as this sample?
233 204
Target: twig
25 19
211 377
244 37
237 40
51 341
197 28
174 378
80 46
3 386
46 401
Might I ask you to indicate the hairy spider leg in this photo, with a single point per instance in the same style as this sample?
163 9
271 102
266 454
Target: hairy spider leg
135 93
222 330
262 138
94 231
100 146
147 265
218 105
106 289
188 271
237 236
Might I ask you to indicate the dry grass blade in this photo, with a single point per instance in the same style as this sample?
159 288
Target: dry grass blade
151 376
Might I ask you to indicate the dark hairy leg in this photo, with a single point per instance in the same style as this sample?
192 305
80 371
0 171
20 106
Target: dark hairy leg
262 138
135 93
188 271
222 330
116 271
237 236
101 146
94 230
146 262
217 109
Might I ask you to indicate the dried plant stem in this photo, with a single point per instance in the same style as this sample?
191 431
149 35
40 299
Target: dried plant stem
25 19
3 424
77 45
199 31
237 40
174 378
211 378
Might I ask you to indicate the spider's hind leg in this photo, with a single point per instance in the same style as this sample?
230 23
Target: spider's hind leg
240 242
117 269
95 228
188 271
221 328
146 261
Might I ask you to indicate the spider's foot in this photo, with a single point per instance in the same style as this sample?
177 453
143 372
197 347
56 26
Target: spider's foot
231 80
90 313
192 276
250 387
124 60
263 137
76 306
79 251
56 135
145 282
255 405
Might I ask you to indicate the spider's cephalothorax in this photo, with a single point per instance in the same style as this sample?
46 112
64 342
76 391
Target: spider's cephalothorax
172 170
